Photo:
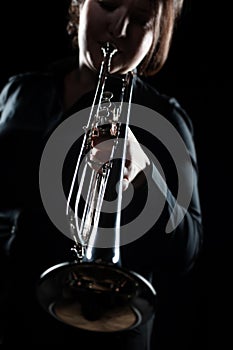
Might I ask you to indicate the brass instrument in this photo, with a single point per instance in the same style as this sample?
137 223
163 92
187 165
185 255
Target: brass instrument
94 292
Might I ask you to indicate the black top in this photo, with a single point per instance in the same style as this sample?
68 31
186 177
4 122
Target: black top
31 108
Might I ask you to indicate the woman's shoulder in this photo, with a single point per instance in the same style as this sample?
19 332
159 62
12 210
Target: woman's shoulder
167 106
28 97
29 82
37 84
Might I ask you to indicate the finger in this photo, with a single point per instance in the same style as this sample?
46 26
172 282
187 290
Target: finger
125 181
125 184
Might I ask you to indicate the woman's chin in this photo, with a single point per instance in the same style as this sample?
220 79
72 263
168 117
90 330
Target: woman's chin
119 71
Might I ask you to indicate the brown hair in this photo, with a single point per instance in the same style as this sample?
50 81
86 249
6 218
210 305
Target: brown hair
163 30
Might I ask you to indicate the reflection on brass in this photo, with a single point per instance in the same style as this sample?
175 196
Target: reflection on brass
115 319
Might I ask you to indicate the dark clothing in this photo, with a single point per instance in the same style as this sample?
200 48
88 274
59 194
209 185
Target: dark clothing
31 107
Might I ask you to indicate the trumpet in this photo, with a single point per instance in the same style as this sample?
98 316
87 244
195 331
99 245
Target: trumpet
94 292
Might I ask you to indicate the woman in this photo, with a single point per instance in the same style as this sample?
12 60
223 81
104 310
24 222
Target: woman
34 104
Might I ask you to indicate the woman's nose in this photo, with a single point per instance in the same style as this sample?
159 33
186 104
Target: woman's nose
119 25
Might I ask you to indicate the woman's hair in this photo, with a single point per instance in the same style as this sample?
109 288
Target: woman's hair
163 30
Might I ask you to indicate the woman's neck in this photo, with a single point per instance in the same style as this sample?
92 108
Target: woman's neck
76 84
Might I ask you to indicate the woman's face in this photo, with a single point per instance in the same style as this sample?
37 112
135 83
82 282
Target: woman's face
128 24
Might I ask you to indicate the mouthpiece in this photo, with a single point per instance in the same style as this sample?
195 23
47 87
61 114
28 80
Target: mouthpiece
109 49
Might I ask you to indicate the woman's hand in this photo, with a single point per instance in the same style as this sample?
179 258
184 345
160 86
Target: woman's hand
136 159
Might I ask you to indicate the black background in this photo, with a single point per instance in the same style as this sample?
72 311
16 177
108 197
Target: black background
198 74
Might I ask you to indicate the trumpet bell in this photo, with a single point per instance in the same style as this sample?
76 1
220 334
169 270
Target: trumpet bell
96 297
